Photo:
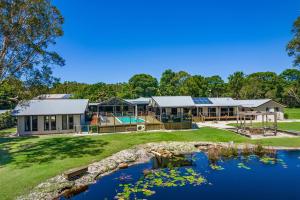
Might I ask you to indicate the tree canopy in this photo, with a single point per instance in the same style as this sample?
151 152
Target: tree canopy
293 47
27 29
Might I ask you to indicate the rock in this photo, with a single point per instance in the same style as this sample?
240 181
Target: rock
147 172
123 165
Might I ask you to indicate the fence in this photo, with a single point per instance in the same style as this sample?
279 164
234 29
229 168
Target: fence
113 124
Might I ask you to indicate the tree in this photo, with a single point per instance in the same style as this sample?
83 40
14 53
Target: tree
236 82
216 86
293 47
171 82
195 86
11 90
143 85
291 85
27 29
262 85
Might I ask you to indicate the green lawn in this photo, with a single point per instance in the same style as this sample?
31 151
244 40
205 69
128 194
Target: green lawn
293 113
288 126
4 132
27 161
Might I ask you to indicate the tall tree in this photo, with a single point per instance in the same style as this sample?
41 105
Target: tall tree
144 85
27 29
291 85
216 86
261 85
195 86
171 82
236 82
293 47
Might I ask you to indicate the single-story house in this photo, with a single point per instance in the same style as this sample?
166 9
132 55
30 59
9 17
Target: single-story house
211 108
50 116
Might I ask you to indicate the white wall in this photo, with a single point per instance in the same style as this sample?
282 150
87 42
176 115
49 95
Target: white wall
78 120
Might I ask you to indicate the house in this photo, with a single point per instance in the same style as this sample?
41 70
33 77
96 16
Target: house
210 108
61 115
171 108
50 116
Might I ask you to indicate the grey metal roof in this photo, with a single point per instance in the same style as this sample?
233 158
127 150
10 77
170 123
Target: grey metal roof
93 104
252 103
224 101
216 101
174 101
139 101
51 107
54 96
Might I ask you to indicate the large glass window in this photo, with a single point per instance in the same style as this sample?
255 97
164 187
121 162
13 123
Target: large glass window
212 112
174 111
64 122
27 123
46 123
71 121
53 122
34 123
224 111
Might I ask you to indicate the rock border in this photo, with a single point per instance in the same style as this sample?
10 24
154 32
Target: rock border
54 187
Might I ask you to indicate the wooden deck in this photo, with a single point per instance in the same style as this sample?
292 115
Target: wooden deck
211 118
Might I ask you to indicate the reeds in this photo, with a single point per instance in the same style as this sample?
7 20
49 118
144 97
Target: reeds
220 152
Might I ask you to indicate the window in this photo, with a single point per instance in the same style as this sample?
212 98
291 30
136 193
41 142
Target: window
224 111
27 123
267 109
71 121
212 112
64 122
53 122
34 123
276 109
174 111
46 123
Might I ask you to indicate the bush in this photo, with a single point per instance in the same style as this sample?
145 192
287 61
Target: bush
7 120
286 115
94 129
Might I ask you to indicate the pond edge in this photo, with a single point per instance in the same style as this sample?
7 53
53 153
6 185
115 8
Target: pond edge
55 187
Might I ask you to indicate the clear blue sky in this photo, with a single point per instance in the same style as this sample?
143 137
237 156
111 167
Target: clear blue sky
110 40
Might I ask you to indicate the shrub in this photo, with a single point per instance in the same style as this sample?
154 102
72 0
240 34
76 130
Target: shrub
7 120
94 129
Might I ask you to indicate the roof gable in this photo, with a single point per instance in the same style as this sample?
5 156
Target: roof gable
253 103
174 101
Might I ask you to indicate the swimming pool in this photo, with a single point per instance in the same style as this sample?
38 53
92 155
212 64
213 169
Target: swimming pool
128 120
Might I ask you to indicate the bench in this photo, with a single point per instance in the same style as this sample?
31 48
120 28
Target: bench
75 173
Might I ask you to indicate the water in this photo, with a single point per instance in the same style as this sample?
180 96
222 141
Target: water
128 120
235 179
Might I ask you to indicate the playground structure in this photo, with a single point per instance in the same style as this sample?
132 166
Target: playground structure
267 125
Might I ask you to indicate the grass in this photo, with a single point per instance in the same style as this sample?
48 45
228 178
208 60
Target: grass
288 126
27 161
292 126
4 132
292 113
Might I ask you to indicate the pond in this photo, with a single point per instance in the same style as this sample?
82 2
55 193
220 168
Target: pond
194 176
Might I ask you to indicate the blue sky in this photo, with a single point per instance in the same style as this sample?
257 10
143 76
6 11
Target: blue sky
111 40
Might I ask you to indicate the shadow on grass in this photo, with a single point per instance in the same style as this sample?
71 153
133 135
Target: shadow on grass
29 153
